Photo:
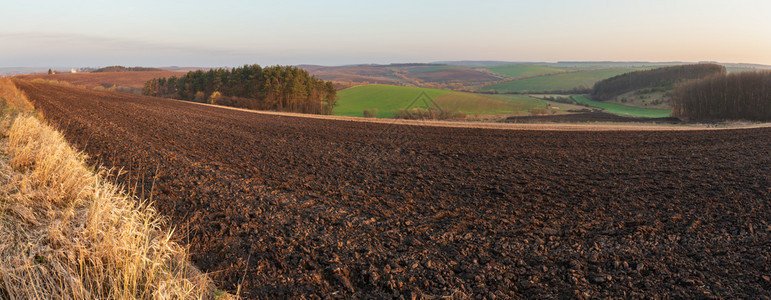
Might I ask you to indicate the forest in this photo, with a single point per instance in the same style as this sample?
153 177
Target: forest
278 88
735 96
665 77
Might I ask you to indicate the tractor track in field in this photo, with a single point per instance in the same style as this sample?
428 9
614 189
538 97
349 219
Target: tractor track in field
300 207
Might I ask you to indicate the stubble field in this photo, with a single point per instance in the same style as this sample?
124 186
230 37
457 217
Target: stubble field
288 206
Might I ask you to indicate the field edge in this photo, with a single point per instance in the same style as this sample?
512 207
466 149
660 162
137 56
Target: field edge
57 214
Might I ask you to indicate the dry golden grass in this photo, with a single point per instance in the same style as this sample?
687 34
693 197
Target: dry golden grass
69 234
13 98
56 82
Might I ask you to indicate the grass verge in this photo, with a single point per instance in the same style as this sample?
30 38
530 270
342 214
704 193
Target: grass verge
69 234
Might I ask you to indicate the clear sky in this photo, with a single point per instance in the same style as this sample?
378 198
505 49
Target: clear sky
39 33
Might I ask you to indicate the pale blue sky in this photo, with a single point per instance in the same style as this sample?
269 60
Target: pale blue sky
228 33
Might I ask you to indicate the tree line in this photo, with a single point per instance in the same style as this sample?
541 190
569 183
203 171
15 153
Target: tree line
279 88
124 69
665 77
739 96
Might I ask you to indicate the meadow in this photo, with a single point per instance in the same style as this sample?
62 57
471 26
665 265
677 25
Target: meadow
387 99
623 109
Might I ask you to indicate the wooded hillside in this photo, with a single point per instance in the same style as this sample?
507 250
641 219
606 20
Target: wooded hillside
662 77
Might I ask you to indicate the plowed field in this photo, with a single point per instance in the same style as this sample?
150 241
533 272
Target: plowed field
107 79
292 207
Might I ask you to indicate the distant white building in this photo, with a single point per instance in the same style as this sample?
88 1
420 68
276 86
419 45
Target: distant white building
73 70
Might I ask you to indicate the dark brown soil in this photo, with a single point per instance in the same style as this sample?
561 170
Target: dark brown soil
584 117
293 207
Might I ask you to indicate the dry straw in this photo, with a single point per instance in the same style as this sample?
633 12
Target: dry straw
69 234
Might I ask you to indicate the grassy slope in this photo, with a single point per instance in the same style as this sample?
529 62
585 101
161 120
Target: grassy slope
559 82
387 98
623 109
519 71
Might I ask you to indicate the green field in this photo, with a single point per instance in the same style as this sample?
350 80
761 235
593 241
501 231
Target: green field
387 99
559 82
519 71
623 109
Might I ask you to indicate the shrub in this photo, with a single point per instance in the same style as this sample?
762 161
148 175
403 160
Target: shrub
539 111
199 97
370 113
215 97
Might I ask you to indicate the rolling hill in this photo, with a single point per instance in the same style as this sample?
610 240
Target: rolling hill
651 88
426 75
521 71
454 75
504 77
565 82
664 78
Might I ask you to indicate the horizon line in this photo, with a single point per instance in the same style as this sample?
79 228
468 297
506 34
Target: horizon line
441 62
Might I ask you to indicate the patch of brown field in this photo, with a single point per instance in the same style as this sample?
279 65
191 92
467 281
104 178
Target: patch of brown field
474 102
341 85
356 74
106 79
449 75
352 78
369 71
